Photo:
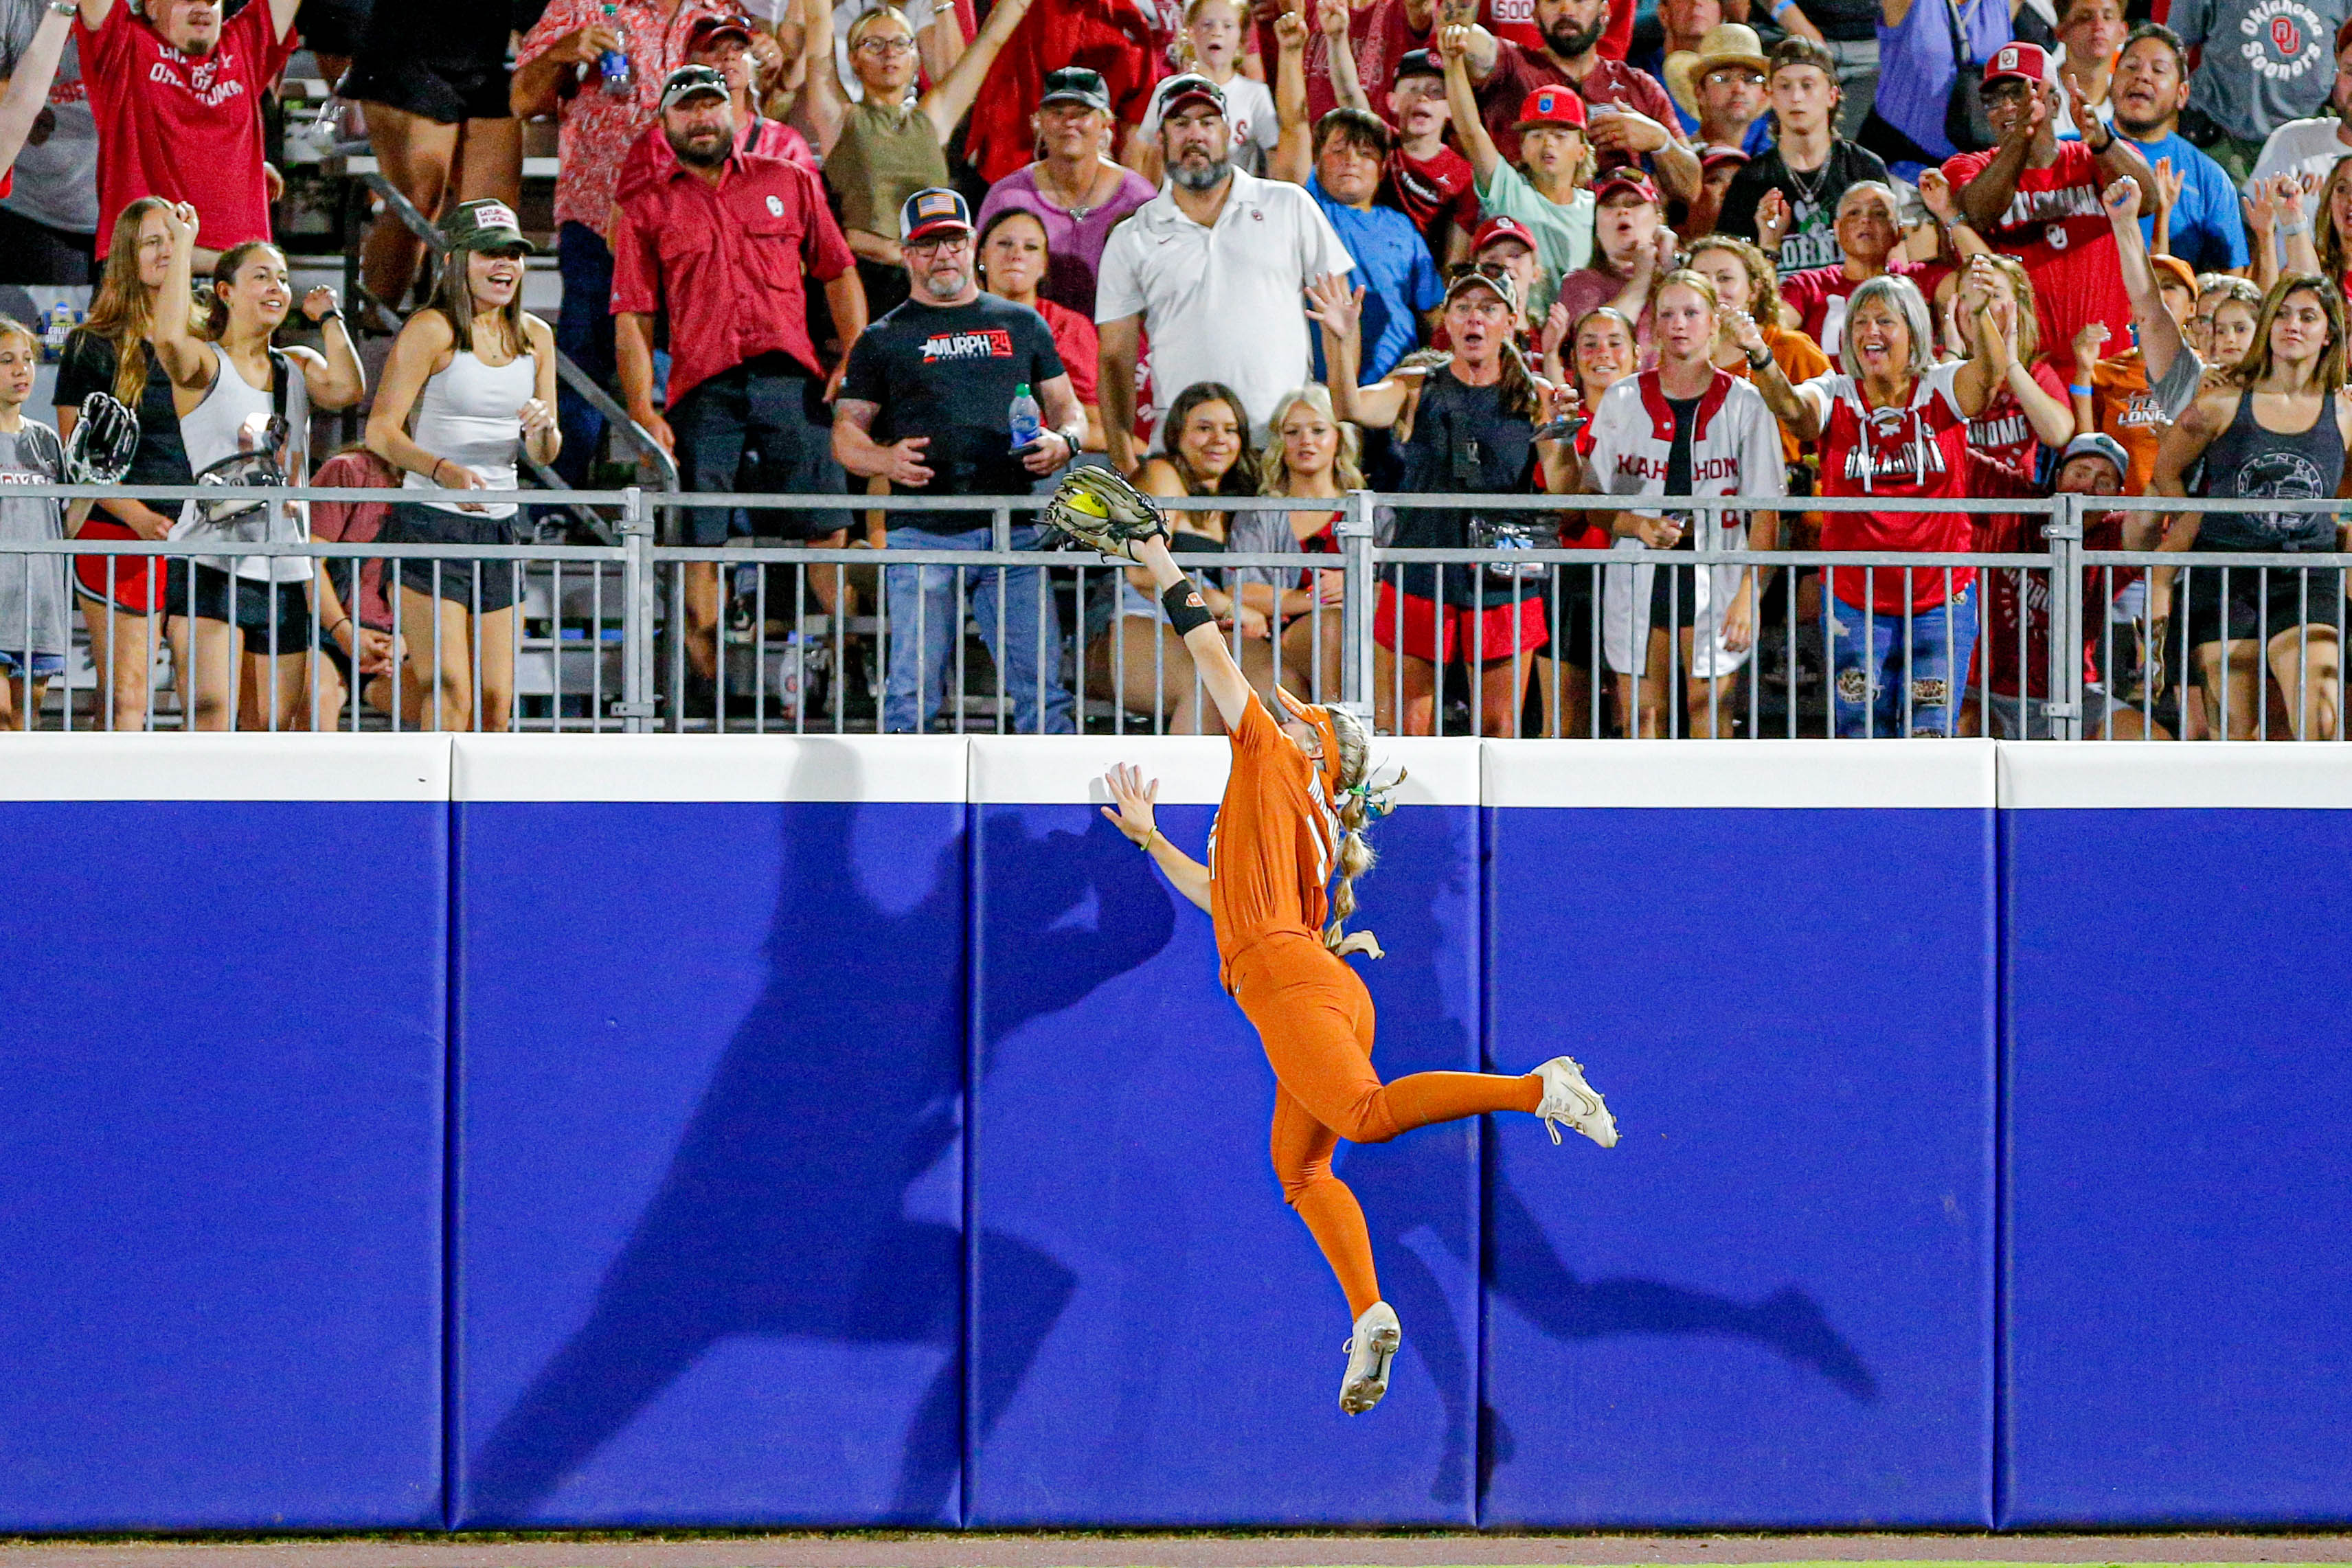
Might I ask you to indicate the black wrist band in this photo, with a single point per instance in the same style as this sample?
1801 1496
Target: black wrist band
1185 610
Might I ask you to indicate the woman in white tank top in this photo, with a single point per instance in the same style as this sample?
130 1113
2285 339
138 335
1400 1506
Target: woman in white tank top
244 621
470 384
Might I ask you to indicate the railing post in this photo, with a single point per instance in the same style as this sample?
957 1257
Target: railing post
2066 535
639 593
1356 530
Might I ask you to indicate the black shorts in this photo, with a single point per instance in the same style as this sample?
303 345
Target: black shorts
760 428
440 92
457 581
335 26
2261 604
1674 592
193 588
1573 641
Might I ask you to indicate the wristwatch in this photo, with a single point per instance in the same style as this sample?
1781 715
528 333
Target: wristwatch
64 7
1758 358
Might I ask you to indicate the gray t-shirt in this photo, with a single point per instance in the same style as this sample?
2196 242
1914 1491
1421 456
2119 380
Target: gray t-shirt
56 183
2177 388
2265 61
32 587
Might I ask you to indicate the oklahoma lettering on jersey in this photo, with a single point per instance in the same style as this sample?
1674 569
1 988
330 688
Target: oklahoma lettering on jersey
991 343
2055 225
1898 452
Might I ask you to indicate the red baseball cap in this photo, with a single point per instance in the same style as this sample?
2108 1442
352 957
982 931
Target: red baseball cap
709 27
1553 105
1625 177
1498 228
2018 62
1722 152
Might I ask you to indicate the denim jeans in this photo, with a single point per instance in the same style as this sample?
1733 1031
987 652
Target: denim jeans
583 330
1878 671
924 631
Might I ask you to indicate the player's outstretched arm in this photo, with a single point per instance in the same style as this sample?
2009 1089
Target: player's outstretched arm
1226 686
1136 798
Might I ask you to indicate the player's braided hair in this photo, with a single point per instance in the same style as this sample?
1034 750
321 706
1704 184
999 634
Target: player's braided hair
1362 800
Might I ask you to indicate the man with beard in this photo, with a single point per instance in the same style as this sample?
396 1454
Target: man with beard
1211 268
700 240
2149 88
177 94
1631 120
926 404
2037 198
2312 146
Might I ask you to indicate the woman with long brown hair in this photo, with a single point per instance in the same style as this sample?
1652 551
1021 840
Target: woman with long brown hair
241 625
471 382
113 352
2277 428
1141 661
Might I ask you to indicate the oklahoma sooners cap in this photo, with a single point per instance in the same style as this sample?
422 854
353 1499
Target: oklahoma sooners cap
1498 228
2018 62
1553 105
1625 177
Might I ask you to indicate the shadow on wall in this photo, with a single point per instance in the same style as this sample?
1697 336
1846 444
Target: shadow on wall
785 1209
1420 1030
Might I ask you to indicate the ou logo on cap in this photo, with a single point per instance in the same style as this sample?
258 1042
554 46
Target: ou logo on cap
2007 59
775 206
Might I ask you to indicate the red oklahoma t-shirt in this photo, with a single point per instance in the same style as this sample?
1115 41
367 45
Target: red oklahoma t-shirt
1918 451
2055 225
184 127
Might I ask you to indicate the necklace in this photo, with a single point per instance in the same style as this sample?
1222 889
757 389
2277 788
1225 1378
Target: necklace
1078 212
1809 192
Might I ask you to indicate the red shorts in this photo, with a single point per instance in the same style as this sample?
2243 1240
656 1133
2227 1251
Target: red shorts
135 576
1495 632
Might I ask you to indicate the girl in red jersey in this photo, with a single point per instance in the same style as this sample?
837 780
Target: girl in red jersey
1293 817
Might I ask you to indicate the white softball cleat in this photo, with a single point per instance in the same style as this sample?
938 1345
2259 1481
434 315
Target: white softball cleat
1369 1350
1568 1099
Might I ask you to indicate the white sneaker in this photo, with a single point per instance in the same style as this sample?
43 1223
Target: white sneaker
1369 1350
1568 1098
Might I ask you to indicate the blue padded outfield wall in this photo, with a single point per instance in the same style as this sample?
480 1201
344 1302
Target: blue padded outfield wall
222 1025
574 1131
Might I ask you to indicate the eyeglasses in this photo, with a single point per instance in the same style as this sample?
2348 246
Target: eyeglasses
886 48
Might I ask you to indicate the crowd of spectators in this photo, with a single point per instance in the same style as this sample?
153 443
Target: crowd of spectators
1894 250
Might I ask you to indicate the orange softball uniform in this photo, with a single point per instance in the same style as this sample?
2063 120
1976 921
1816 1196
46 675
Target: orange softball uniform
1273 844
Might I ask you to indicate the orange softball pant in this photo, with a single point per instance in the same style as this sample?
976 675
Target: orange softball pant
1315 1017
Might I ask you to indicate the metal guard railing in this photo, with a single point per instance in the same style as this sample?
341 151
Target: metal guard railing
649 573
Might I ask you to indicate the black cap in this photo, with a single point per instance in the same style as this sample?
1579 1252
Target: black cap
1420 63
1076 84
693 81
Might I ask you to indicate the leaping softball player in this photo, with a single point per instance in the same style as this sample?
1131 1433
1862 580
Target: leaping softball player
1295 808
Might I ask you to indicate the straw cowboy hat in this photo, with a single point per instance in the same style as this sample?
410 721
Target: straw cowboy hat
1724 44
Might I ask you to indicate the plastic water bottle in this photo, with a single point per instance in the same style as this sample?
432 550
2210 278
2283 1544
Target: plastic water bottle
1028 422
620 78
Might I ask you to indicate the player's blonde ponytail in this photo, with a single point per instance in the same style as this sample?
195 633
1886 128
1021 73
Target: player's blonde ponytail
1362 800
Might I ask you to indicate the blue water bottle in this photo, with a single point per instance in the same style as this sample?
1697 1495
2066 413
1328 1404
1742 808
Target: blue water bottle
620 78
1027 421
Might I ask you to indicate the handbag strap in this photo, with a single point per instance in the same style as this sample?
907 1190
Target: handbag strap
1961 58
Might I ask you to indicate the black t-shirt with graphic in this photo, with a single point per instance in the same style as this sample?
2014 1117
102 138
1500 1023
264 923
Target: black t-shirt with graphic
1813 198
950 372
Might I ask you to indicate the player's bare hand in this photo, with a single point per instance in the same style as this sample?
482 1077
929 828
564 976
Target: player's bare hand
1136 797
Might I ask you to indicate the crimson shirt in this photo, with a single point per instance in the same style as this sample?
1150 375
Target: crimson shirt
2006 599
182 127
1518 72
2055 225
1433 191
1379 35
1918 451
2003 432
1079 345
649 157
728 261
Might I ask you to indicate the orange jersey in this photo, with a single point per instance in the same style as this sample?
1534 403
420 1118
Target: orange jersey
2123 407
1274 843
